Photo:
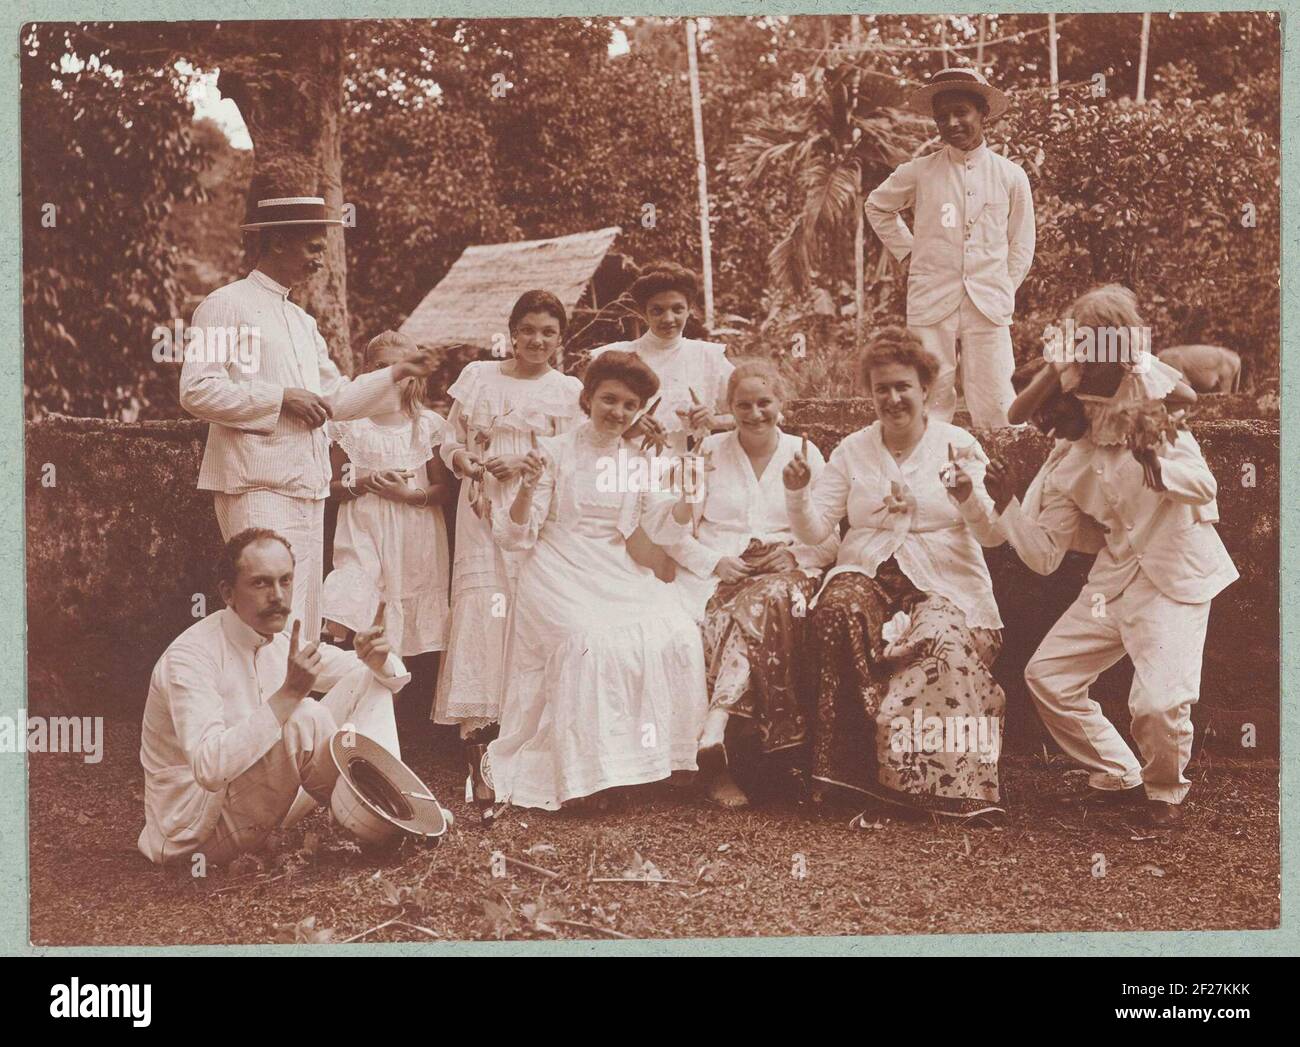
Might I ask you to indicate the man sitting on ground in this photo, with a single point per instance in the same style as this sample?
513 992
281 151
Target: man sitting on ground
230 730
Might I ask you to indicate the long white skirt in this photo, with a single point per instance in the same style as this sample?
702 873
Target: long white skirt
604 676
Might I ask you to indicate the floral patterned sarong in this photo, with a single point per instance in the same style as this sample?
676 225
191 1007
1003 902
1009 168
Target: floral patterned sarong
918 721
753 630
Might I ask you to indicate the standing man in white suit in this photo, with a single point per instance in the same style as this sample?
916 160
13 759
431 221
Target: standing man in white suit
267 457
970 248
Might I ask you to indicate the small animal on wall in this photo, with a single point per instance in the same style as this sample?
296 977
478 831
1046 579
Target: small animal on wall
1207 368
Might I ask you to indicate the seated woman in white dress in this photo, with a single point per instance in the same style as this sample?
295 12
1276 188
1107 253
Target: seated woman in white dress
748 580
692 376
604 671
905 631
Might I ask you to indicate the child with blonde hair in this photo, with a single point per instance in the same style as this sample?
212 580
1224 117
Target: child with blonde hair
390 543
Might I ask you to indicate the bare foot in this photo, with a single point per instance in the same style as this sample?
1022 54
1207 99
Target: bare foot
723 790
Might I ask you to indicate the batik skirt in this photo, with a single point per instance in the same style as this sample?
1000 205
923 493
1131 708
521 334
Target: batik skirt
916 721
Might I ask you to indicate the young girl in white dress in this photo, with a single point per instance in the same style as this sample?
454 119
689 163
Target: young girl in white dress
498 407
692 377
390 542
604 669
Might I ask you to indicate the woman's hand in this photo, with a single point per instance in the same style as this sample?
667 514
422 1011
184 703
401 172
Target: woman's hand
531 467
796 473
779 559
467 465
650 430
998 484
899 499
699 416
504 467
732 569
955 478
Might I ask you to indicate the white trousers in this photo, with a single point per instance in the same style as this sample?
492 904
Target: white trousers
1165 640
987 363
301 521
298 772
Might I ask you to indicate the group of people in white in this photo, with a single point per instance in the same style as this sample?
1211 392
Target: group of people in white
767 607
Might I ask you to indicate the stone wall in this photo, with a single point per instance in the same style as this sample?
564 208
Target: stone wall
120 547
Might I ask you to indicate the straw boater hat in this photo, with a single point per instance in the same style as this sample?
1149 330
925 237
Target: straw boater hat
967 80
290 210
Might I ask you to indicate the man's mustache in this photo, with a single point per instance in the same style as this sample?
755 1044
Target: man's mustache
272 611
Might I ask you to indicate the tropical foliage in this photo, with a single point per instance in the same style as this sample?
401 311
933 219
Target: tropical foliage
456 131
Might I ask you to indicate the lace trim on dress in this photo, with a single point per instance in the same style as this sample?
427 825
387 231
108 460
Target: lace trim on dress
369 445
522 404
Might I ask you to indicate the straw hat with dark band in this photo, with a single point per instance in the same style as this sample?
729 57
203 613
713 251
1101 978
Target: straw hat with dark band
968 80
290 210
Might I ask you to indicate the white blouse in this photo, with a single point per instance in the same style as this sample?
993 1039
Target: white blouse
684 365
738 506
504 411
569 495
936 542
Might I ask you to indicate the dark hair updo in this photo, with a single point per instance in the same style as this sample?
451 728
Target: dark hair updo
538 301
618 366
658 277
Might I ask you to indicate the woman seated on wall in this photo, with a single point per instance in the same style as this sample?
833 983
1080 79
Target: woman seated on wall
748 580
692 378
604 673
905 630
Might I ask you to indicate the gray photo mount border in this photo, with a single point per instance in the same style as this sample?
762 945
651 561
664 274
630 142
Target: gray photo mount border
14 879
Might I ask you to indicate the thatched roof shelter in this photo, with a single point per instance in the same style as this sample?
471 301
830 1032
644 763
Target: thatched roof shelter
471 304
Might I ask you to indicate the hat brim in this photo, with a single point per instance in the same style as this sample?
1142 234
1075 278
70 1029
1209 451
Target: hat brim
293 221
425 816
922 99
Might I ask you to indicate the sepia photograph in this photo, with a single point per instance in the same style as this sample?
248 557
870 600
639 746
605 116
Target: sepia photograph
646 477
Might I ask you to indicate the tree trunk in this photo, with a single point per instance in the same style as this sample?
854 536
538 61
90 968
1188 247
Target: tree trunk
291 97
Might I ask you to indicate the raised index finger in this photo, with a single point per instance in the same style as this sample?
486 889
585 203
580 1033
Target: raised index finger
293 637
379 615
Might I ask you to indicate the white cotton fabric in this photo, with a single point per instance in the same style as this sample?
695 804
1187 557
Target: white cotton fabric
207 721
973 231
252 445
738 506
604 674
384 550
936 544
506 411
682 365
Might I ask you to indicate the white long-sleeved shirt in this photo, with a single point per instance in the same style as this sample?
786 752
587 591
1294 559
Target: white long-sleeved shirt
574 463
252 444
973 231
739 506
1167 535
936 543
207 721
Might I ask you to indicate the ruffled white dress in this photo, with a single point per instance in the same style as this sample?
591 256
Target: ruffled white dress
384 550
492 414
605 669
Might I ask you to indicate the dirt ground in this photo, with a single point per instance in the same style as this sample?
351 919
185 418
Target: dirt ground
663 864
